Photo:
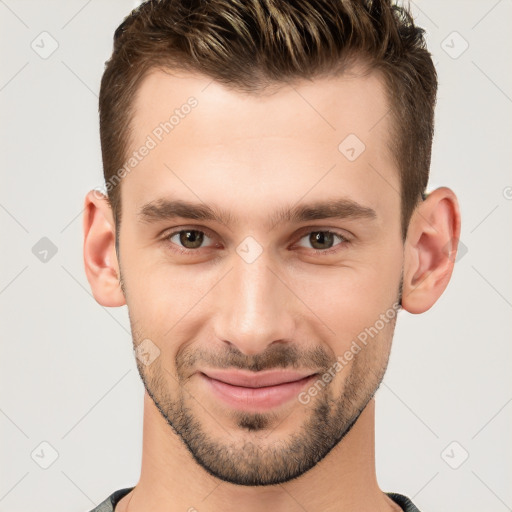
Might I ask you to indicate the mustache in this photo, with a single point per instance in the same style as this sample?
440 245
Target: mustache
281 355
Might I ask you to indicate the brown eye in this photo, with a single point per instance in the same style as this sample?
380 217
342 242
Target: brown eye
323 241
191 239
186 240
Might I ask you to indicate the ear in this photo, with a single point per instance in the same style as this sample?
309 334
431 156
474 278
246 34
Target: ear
100 259
430 250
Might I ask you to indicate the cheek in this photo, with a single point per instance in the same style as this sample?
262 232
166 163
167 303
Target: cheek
348 300
362 359
166 302
149 295
338 303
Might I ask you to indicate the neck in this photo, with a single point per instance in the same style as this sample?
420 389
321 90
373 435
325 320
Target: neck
171 480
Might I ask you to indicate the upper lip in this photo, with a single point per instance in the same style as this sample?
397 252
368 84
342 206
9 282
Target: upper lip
259 379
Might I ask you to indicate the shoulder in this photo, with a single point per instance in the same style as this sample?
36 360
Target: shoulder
403 501
109 503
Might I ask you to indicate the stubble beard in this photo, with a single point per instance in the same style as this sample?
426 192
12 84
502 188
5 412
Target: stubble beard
250 456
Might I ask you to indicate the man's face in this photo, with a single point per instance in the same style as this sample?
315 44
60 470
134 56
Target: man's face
258 291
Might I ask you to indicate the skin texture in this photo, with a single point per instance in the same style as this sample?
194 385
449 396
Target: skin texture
289 308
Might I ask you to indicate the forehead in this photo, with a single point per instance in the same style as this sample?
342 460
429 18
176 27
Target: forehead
307 137
354 102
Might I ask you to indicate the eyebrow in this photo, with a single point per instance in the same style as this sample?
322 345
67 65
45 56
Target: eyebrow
167 209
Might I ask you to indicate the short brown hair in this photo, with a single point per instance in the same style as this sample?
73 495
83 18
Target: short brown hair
248 45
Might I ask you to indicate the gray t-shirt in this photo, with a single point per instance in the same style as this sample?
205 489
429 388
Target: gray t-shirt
110 503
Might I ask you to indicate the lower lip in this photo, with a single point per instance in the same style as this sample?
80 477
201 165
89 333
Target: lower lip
256 398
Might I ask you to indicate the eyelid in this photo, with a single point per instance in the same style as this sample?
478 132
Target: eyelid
301 234
344 240
175 231
319 229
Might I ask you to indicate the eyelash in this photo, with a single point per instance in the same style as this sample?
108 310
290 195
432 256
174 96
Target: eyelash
181 250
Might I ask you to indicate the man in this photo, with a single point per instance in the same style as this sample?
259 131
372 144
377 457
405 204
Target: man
266 164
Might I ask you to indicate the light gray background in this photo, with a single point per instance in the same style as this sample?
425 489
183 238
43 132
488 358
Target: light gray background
68 375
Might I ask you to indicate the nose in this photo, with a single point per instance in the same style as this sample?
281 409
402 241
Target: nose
254 306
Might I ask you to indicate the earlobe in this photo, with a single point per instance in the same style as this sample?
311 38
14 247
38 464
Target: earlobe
100 259
430 250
